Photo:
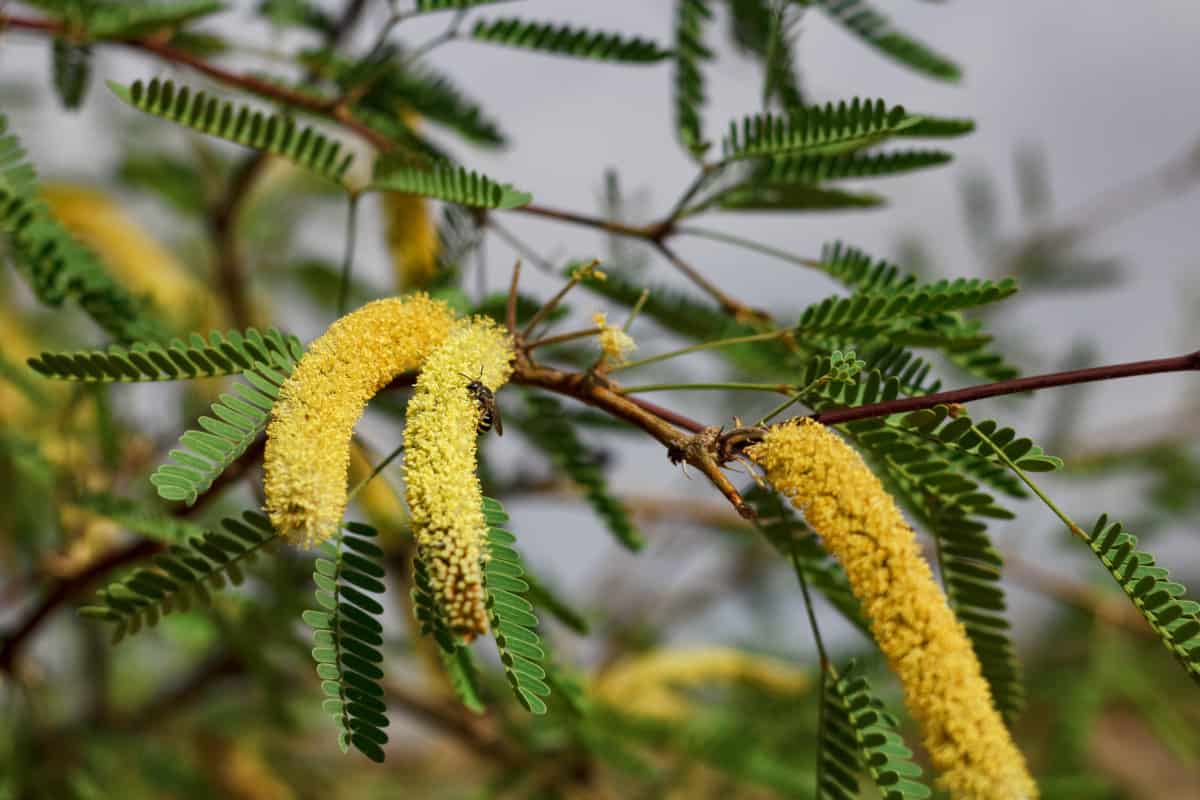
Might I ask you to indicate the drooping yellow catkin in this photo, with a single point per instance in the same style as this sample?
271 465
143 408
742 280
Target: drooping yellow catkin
412 239
443 492
308 439
134 256
655 684
925 644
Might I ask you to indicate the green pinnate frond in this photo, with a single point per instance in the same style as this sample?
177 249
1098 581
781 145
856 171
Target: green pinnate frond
446 182
857 270
513 623
347 637
58 268
962 433
565 40
871 312
874 28
239 417
72 65
548 429
130 19
816 130
818 168
426 6
17 175
1173 617
181 575
435 97
455 656
778 523
270 133
928 126
858 735
690 96
791 197
229 353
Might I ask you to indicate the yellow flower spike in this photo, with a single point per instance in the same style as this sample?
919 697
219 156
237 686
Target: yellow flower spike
655 684
134 256
412 239
308 440
443 492
925 644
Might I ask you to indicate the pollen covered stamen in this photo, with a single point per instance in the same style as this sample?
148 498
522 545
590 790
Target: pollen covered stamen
925 644
308 441
440 440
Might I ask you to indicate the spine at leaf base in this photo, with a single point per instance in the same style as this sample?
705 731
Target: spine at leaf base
308 441
444 497
925 644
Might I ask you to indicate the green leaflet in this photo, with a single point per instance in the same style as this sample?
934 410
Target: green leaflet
181 575
230 353
1174 618
72 64
565 40
55 265
239 416
240 124
815 130
874 28
511 615
689 91
427 6
444 182
857 735
347 638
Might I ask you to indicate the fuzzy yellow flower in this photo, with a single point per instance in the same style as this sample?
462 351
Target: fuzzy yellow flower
443 492
308 439
655 684
925 644
412 239
134 256
614 341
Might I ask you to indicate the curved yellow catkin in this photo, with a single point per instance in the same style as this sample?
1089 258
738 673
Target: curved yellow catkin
655 684
308 440
412 239
443 492
925 644
134 256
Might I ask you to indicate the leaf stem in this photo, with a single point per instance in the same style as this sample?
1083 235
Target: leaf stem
748 244
716 343
664 387
380 467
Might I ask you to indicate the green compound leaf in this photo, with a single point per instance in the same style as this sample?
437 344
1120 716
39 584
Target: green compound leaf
564 40
816 130
181 575
858 735
512 621
874 28
72 65
348 637
427 6
690 94
445 182
271 133
59 268
1161 601
239 416
140 18
230 353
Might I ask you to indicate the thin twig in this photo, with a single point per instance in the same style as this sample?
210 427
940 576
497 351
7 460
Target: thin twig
510 309
553 302
736 308
563 337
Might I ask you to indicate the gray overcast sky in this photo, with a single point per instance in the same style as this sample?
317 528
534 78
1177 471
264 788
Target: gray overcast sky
1107 89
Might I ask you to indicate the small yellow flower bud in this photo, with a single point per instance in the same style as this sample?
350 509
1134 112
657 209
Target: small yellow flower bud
443 491
925 644
308 440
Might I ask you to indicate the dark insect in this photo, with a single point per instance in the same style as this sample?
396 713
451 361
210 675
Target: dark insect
489 414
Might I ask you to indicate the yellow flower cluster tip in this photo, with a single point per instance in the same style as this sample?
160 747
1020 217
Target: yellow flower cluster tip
412 239
614 341
443 492
655 684
308 439
134 256
925 644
